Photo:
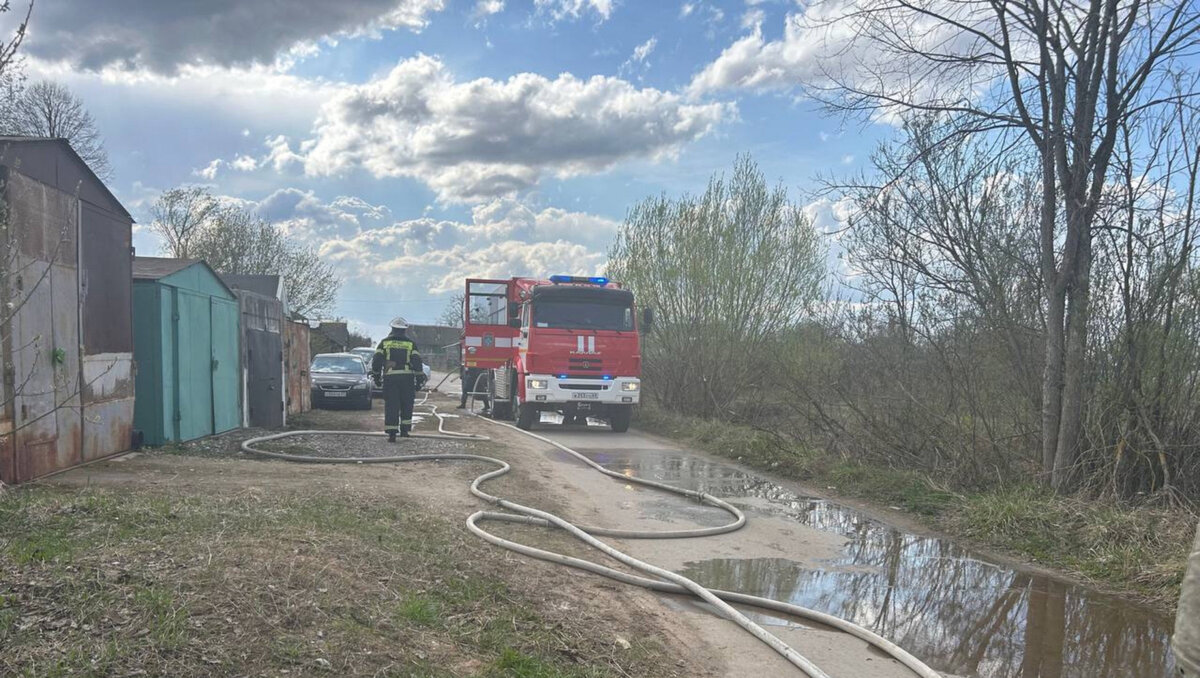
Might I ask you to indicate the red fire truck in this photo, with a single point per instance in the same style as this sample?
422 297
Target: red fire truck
569 344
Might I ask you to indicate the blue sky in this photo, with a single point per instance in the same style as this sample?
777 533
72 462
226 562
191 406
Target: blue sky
419 141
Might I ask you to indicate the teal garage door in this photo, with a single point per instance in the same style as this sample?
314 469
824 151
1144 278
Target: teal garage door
226 382
194 343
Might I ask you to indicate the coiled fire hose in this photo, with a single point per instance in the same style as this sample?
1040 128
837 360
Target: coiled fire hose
667 582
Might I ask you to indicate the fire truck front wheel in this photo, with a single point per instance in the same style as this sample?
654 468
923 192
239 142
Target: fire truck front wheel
527 416
619 417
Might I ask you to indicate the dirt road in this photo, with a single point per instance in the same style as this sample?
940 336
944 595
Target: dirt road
591 498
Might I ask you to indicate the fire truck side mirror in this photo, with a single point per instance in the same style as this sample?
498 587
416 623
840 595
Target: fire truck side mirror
514 310
647 320
514 323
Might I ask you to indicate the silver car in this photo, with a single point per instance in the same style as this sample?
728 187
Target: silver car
368 354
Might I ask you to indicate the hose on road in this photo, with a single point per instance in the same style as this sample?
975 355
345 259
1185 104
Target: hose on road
668 582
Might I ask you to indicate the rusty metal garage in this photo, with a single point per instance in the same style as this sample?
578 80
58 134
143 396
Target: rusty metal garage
66 336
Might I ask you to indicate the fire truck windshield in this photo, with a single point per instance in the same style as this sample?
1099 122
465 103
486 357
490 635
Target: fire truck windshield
582 315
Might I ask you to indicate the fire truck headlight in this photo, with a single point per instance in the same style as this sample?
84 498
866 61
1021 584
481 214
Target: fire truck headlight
536 383
630 386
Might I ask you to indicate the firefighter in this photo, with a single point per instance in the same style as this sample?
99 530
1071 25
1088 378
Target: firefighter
397 367
470 378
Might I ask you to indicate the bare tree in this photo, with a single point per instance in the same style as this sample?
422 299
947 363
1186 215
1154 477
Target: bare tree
452 314
1065 78
50 109
235 240
179 215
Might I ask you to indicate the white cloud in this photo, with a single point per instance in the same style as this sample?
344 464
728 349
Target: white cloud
637 60
847 159
248 97
753 19
280 155
470 141
706 11
244 163
503 238
164 36
828 42
304 215
831 218
488 7
209 171
644 50
574 9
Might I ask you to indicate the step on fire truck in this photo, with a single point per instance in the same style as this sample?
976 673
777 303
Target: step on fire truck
569 345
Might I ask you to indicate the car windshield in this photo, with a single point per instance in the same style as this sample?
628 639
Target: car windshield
338 364
588 315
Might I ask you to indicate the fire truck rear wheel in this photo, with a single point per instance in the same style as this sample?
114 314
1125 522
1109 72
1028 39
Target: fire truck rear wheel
619 417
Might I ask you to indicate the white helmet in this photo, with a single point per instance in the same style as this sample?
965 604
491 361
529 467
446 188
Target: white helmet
399 323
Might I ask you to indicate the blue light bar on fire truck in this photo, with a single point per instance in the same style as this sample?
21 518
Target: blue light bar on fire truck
594 280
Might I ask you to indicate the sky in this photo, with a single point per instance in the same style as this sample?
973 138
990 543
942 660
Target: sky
419 142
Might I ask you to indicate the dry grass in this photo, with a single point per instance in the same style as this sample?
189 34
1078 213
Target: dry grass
133 582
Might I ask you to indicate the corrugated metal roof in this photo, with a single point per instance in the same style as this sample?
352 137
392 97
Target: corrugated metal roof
266 285
154 268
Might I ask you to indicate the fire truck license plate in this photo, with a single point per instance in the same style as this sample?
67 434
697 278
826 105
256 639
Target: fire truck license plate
585 395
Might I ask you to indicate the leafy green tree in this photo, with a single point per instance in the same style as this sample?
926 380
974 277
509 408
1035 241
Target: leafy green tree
728 273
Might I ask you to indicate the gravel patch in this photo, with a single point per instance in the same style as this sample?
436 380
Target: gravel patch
337 446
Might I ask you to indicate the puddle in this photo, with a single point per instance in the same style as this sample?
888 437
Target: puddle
952 608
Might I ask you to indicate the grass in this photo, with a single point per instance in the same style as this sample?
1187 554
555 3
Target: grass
1133 550
116 582
419 610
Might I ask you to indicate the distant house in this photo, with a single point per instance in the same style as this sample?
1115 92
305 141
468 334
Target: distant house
438 344
67 391
329 337
186 338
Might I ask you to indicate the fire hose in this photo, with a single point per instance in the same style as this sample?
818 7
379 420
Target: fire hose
667 582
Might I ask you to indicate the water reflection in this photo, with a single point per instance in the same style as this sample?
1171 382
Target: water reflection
956 611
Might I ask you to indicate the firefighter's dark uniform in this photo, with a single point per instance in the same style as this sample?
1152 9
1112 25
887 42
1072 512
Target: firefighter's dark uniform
399 363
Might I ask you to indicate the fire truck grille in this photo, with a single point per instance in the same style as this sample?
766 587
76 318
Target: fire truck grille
583 387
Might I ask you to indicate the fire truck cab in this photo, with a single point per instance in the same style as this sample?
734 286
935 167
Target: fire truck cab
569 344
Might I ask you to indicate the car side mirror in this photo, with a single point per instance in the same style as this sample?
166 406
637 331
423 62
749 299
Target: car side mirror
514 323
647 320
